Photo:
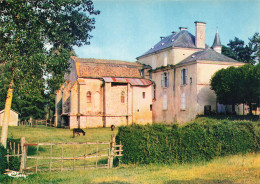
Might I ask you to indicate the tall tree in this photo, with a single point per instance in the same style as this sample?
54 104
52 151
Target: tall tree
239 51
27 26
255 41
237 85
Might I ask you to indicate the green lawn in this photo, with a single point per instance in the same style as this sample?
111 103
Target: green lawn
231 169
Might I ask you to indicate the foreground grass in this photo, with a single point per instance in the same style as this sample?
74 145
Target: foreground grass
231 169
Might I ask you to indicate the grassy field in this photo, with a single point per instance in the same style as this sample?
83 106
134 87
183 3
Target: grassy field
231 169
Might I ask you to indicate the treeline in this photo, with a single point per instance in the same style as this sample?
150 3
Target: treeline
197 141
237 85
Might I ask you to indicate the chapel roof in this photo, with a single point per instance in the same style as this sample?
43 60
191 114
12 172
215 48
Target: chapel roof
182 39
99 68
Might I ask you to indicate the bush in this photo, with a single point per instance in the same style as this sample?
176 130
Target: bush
3 159
190 143
14 163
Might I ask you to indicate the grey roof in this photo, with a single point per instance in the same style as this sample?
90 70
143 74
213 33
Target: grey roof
180 39
207 55
216 40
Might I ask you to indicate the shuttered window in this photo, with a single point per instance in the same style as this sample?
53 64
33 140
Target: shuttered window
184 75
165 79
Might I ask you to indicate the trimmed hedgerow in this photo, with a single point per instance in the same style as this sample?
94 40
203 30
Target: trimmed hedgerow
190 143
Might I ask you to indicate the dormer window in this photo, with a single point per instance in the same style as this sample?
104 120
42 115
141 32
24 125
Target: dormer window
162 43
142 72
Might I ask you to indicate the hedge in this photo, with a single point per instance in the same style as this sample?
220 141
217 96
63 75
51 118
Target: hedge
3 159
193 142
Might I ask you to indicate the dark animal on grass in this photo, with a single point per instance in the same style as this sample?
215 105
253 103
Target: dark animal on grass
112 127
78 131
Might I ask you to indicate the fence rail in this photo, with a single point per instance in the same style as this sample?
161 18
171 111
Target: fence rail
93 155
36 122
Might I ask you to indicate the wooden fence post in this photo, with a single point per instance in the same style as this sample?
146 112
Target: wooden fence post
24 154
113 140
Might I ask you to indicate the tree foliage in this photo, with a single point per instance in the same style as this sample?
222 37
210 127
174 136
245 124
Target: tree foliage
239 51
28 27
237 85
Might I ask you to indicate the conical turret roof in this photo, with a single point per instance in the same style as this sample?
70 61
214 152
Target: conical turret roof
216 40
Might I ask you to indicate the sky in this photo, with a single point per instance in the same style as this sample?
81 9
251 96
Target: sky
126 29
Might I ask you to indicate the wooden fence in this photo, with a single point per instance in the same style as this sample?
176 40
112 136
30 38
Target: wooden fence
36 122
59 160
13 150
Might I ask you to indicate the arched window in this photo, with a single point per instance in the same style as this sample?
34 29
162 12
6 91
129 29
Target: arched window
122 97
88 97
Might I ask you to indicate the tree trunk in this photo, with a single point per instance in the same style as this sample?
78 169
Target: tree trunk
6 119
233 109
250 109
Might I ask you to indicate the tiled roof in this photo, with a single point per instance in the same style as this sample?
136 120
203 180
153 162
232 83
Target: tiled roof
98 68
180 39
104 61
207 55
132 81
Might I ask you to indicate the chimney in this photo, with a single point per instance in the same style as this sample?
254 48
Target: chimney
183 28
200 34
162 37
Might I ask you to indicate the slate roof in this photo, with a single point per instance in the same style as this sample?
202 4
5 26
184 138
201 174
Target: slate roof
99 68
181 39
216 40
207 55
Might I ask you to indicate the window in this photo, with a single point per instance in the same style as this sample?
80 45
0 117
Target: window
142 72
183 102
184 73
150 75
154 92
88 97
122 97
154 62
165 59
151 107
190 80
165 103
143 95
165 79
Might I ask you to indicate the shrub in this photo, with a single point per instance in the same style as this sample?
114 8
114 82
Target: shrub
14 163
3 159
190 143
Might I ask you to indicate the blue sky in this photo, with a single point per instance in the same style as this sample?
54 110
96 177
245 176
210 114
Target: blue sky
125 29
